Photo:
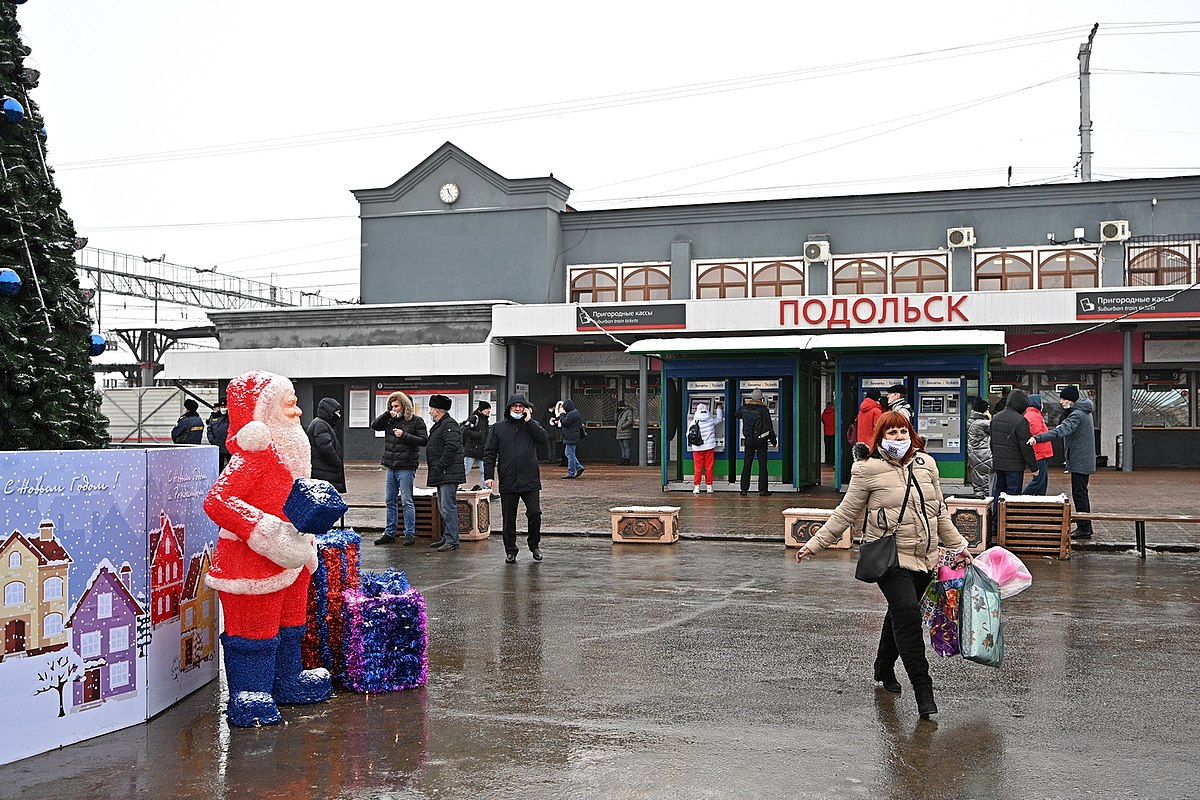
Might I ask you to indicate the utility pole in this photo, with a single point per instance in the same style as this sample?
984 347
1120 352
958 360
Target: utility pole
1085 107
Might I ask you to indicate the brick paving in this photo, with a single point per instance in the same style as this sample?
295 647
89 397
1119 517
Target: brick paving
580 506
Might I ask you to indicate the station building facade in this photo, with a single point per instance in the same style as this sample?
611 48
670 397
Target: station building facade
476 285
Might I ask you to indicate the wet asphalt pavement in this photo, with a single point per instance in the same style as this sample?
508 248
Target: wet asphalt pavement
705 669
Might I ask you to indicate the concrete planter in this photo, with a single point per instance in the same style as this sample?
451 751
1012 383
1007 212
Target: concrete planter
646 524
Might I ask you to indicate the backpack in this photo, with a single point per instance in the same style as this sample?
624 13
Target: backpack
695 437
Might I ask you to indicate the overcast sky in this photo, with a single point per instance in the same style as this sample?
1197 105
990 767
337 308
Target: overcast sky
177 128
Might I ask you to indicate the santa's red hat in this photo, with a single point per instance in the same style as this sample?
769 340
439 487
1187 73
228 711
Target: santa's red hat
255 402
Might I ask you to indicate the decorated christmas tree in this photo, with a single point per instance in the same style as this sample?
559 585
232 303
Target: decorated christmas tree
47 392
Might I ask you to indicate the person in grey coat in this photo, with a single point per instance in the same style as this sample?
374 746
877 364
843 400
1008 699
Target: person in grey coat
1078 433
625 432
979 448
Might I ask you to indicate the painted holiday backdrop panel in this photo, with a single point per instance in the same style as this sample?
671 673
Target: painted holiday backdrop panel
182 624
73 573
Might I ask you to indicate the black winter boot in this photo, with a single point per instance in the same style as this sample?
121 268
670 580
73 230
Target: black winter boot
926 706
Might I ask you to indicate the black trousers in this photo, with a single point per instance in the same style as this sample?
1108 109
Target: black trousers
759 449
1079 497
533 513
829 442
902 636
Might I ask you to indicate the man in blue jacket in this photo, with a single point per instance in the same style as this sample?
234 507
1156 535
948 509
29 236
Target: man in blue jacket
1078 433
190 428
511 451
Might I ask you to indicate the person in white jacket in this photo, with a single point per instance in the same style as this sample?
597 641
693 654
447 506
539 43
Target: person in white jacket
702 454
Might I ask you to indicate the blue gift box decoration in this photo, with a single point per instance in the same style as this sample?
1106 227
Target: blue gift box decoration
313 505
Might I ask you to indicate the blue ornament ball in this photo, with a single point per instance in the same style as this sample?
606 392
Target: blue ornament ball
10 282
98 344
12 110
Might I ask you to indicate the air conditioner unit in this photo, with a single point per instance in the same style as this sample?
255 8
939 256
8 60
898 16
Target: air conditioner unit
1114 230
816 251
960 237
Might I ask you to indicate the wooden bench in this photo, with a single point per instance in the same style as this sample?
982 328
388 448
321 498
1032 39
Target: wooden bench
1037 525
1139 522
429 521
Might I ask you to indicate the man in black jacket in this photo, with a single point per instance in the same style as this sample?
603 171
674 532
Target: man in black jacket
475 434
1011 453
217 429
444 459
190 428
758 431
326 445
512 451
403 437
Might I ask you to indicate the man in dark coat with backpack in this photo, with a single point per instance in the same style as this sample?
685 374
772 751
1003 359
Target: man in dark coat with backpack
759 434
512 454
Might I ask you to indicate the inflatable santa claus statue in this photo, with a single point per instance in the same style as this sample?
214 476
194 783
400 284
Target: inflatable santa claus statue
263 564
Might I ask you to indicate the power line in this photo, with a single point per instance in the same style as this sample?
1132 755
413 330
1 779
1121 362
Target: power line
228 223
600 102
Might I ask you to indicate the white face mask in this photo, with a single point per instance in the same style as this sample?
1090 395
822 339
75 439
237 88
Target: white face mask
895 448
517 415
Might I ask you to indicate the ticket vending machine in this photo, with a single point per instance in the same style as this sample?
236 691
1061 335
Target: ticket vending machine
939 411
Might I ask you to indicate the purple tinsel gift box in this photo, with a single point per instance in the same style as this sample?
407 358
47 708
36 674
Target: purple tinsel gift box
313 506
386 638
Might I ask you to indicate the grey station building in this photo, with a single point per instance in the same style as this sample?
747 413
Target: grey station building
476 285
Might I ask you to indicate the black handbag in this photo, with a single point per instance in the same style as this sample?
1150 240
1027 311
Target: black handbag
877 560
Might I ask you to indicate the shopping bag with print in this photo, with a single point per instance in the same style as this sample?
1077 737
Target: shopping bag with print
980 636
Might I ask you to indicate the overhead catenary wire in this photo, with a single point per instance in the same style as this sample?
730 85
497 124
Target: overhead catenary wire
600 102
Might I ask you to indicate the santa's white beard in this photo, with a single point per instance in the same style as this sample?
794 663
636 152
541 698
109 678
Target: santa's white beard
291 443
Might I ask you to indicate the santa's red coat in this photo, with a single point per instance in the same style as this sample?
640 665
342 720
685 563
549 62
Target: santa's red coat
254 484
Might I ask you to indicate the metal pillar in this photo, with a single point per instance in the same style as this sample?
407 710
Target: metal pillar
1127 398
1085 107
643 406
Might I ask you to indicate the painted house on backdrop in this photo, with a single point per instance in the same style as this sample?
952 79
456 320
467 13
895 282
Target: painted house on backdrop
197 612
166 571
104 633
34 574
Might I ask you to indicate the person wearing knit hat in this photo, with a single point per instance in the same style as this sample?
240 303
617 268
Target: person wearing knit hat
262 564
1077 430
190 428
897 398
758 433
444 458
475 435
512 455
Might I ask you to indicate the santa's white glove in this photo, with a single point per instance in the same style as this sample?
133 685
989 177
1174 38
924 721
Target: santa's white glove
279 541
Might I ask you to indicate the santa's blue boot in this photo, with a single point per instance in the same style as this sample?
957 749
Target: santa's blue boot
295 685
250 673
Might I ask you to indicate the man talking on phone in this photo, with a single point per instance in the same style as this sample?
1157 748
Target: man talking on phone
512 453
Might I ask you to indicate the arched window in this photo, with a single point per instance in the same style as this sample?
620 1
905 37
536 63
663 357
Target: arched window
14 560
777 279
1159 266
52 589
920 275
52 625
593 286
1003 271
1068 269
14 594
721 280
859 276
646 283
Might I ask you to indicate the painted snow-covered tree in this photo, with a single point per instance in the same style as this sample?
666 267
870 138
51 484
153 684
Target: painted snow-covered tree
145 632
57 677
47 392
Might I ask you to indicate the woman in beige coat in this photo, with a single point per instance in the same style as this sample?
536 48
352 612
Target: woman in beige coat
875 501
